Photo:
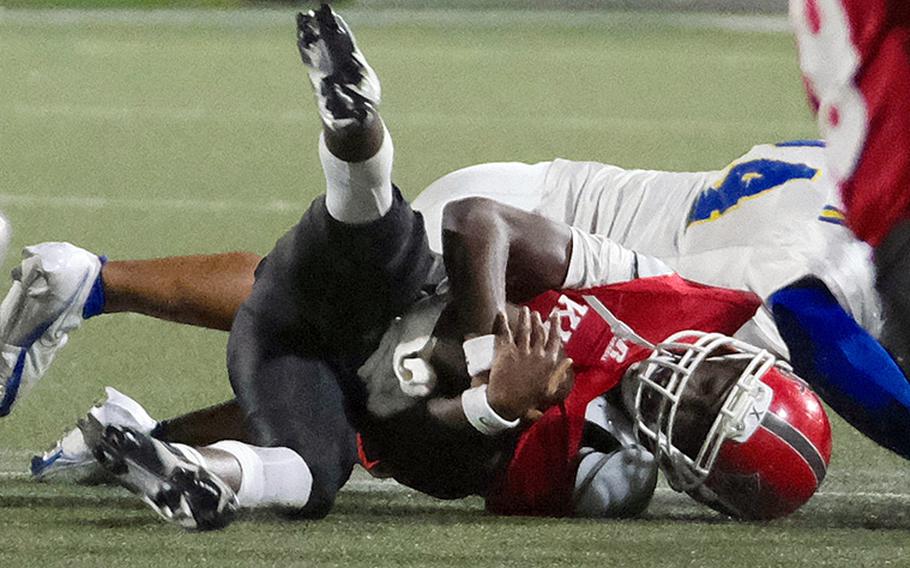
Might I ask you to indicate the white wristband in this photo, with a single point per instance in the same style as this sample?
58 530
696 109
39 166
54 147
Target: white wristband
478 354
481 415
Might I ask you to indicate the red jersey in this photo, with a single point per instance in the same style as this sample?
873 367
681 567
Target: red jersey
855 57
540 477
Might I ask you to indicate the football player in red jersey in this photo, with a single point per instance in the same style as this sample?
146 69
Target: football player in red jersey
715 411
583 457
717 394
855 58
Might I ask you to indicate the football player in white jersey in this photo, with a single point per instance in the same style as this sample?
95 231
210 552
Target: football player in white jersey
768 219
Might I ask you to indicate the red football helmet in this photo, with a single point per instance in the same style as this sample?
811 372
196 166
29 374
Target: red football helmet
767 450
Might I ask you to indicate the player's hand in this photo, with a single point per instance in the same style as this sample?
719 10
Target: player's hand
530 372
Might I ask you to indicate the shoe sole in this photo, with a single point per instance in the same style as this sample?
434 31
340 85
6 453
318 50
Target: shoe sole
186 495
346 71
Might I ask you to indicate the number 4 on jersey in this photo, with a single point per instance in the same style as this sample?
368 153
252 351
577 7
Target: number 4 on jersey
745 181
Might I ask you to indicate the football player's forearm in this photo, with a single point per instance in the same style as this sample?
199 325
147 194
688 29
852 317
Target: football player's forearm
450 412
475 248
494 252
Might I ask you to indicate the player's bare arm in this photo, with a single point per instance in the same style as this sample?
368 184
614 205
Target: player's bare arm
494 252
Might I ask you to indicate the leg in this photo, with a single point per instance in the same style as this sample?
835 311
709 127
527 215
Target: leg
355 149
206 426
52 289
358 257
300 447
844 364
330 286
199 488
70 459
292 401
58 285
203 290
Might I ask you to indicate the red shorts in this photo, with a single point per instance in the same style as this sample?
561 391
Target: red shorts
855 57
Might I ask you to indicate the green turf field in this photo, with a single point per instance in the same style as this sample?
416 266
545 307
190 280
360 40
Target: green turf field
139 134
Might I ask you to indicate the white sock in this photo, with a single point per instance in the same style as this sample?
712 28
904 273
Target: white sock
358 192
191 454
269 476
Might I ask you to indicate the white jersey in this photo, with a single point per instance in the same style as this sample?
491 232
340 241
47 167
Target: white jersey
768 219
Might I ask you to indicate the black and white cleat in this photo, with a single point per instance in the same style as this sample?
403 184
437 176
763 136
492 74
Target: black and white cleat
178 490
346 87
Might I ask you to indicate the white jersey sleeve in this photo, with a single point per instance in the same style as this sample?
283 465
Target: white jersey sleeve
770 218
639 209
597 261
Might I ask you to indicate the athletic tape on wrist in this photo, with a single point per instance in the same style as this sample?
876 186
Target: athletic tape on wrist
481 415
478 354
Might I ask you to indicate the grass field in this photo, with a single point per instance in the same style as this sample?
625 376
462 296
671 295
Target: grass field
141 134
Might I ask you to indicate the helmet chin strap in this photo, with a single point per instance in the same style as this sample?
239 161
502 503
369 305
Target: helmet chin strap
622 330
628 388
619 327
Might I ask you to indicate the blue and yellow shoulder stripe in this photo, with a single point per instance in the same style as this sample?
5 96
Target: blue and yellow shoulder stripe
742 182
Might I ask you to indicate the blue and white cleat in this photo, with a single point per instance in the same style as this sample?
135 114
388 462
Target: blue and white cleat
68 461
71 460
44 304
179 490
346 87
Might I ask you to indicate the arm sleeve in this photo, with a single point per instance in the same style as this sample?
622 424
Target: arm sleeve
849 369
597 260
